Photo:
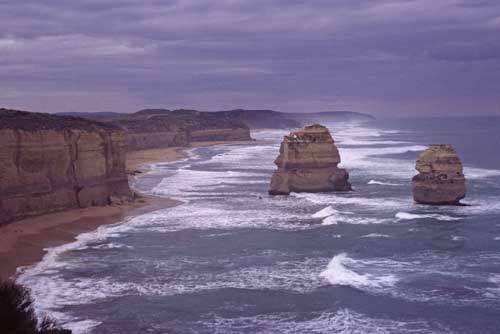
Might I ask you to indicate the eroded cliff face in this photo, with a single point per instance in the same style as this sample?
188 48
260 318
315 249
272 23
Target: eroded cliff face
308 162
440 180
50 163
158 128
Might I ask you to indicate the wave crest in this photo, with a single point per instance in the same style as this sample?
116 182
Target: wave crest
339 273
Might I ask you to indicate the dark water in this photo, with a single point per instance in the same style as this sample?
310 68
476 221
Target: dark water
234 260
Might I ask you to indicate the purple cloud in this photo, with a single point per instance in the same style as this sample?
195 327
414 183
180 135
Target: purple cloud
402 57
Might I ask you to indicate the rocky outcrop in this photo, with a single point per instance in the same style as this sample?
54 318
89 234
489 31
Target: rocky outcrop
158 128
308 162
50 163
440 180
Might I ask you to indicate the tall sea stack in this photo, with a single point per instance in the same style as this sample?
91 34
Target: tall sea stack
50 163
308 162
440 180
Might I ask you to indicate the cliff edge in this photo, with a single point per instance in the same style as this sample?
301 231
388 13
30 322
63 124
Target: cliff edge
50 163
160 128
440 180
308 162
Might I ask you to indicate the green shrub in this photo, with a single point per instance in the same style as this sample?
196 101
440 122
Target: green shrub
17 315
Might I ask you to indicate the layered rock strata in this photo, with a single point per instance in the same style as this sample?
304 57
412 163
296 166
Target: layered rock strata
308 162
50 163
159 128
440 180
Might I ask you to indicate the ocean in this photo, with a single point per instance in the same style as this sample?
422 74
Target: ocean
233 259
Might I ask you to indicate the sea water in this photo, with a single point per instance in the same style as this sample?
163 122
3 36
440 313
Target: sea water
232 259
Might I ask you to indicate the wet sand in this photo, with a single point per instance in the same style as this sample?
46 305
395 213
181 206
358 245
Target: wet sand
24 242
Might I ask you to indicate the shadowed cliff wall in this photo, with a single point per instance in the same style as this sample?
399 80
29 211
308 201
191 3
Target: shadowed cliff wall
50 163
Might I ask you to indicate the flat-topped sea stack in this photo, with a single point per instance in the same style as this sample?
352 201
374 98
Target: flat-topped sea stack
308 162
50 163
440 180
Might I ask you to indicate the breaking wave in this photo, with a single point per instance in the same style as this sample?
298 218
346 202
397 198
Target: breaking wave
343 321
412 216
341 271
383 183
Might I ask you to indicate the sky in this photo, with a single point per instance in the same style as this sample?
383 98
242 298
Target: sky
387 57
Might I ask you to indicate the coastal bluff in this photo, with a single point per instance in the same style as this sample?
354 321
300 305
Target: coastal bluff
308 162
440 180
160 128
50 163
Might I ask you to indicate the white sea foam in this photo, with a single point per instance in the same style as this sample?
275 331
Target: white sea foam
248 157
384 183
356 132
338 272
362 202
186 182
332 220
111 245
326 212
493 292
371 161
343 321
479 206
376 235
372 151
54 292
357 142
365 220
211 216
480 173
381 276
81 326
332 216
411 216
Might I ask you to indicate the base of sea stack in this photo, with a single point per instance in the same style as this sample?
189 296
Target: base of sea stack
284 183
442 192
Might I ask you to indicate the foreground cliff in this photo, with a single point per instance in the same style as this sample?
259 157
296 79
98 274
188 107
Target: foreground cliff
158 128
50 163
440 180
308 162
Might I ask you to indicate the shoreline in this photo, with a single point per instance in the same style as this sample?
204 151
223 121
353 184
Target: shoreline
24 243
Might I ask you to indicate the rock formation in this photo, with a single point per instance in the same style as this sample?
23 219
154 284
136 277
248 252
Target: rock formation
440 180
308 162
255 119
50 163
158 128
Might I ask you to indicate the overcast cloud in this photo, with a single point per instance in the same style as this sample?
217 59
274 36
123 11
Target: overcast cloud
401 57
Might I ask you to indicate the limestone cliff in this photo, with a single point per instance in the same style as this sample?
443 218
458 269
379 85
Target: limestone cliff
49 163
157 128
308 162
440 180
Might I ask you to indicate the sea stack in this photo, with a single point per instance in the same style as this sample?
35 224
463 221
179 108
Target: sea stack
308 162
440 180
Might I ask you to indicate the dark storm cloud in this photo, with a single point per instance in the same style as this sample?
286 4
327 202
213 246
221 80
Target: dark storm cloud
394 57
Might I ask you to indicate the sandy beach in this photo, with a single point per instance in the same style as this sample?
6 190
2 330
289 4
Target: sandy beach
137 160
24 242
